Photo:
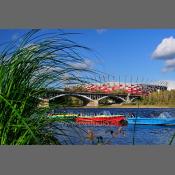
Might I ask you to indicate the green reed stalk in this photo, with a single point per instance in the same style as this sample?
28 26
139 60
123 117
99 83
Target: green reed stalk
33 62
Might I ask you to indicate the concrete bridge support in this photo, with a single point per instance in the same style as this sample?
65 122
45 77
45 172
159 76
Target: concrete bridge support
93 103
44 103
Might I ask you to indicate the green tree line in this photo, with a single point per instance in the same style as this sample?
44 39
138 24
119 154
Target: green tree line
160 98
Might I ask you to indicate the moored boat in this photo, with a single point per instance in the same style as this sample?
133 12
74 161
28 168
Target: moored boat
99 118
105 117
62 117
163 119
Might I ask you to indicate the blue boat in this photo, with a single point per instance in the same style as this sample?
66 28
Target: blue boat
163 119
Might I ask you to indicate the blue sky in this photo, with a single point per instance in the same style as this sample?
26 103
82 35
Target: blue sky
124 52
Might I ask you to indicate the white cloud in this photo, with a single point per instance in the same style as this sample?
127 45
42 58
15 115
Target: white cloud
100 31
166 49
83 65
168 69
169 65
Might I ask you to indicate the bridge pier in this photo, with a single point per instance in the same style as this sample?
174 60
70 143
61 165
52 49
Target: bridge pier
43 103
93 103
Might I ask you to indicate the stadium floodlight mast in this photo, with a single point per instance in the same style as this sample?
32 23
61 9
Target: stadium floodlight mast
108 77
119 80
125 80
113 80
131 79
100 79
137 79
104 78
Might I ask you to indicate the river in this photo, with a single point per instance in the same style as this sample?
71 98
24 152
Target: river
78 134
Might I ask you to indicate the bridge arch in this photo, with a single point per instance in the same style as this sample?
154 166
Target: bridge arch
73 95
103 98
135 98
120 99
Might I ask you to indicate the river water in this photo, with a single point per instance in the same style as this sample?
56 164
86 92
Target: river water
78 134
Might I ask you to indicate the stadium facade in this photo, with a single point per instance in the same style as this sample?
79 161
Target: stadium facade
130 88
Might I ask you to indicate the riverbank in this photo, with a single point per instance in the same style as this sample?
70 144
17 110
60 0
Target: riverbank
126 106
136 106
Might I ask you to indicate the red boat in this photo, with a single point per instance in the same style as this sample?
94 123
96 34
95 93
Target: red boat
106 117
102 123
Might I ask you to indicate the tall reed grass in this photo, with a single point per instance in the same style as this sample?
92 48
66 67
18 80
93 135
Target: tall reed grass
33 62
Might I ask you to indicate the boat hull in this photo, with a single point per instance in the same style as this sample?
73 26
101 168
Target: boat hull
100 119
151 121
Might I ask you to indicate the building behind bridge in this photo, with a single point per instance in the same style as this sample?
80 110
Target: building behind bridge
129 88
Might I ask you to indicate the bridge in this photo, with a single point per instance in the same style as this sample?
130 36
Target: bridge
89 98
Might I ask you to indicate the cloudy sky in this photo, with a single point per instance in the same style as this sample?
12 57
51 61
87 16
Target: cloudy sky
142 54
